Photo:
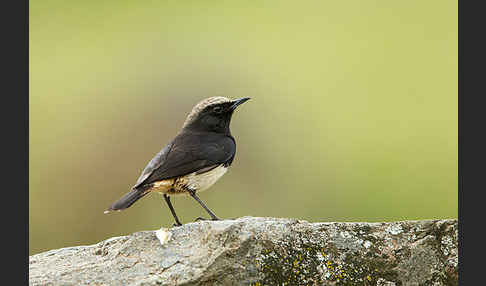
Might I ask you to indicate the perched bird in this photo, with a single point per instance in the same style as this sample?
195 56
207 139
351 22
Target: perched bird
194 160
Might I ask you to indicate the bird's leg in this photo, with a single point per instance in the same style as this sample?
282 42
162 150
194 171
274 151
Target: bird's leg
167 200
213 216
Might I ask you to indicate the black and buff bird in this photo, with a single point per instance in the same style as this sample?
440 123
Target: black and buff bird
194 160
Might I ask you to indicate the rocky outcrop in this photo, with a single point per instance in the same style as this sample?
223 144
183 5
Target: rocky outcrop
262 251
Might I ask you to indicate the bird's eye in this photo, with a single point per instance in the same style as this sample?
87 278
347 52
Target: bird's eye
217 109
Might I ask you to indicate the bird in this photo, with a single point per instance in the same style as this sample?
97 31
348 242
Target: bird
197 157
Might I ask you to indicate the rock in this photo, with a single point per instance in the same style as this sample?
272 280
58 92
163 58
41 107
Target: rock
262 251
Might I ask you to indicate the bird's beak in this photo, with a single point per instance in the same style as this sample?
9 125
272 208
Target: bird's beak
237 102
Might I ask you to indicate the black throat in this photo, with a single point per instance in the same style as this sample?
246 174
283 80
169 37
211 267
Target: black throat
209 121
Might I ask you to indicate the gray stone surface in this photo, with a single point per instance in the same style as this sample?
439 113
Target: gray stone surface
262 251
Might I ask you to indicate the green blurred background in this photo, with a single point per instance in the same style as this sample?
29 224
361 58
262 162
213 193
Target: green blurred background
353 115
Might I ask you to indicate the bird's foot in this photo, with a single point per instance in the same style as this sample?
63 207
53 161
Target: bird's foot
176 224
202 218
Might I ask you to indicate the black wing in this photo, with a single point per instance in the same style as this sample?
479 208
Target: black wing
188 153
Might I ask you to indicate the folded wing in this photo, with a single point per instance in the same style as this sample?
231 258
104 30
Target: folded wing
188 153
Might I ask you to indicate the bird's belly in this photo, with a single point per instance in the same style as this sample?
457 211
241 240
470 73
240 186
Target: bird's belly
201 182
193 181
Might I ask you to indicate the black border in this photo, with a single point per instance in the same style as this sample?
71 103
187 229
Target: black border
471 171
15 136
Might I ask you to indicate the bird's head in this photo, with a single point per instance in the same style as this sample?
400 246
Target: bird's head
212 114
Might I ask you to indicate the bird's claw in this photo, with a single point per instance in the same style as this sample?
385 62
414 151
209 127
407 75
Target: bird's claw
202 218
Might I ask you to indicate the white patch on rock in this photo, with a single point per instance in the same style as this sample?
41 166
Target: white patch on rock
345 234
383 282
449 249
446 240
394 229
163 234
367 244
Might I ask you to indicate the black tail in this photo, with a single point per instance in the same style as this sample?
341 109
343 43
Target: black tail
127 200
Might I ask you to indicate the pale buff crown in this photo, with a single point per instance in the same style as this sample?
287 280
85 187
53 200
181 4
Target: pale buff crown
203 104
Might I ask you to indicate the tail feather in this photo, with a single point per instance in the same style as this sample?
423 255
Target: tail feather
127 200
